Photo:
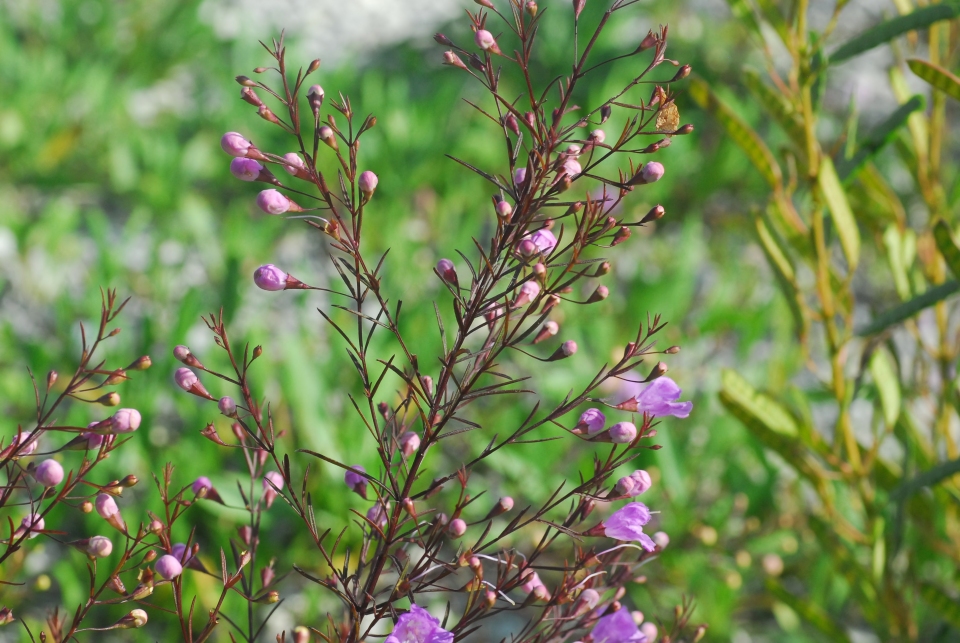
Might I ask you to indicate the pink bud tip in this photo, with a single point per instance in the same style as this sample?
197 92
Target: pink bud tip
181 352
315 90
99 546
273 202
269 277
185 378
506 503
572 167
528 292
367 182
623 433
457 527
168 567
447 271
293 163
569 347
245 169
485 40
598 135
634 484
519 175
593 420
107 506
201 484
126 421
49 473
227 406
652 172
235 144
504 209
272 477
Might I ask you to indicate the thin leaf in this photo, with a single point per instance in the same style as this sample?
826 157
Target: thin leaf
741 133
945 606
878 138
811 612
947 246
890 29
909 309
840 210
884 372
901 249
777 105
784 272
937 76
928 478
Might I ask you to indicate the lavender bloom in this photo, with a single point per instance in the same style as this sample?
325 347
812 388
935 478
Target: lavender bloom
651 172
545 240
520 175
49 473
245 169
417 626
592 420
269 277
180 552
168 567
99 547
294 163
125 421
627 524
377 514
633 484
356 481
617 628
623 433
235 144
660 398
273 202
31 525
367 182
202 486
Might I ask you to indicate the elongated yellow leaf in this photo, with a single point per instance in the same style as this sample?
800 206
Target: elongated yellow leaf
839 207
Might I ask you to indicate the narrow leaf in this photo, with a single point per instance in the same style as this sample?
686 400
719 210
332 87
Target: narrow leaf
901 249
878 138
777 105
884 372
947 246
937 76
737 392
909 309
784 272
946 607
811 612
741 133
890 29
840 210
928 478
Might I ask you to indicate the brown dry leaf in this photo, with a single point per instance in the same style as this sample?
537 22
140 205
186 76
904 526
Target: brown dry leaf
668 118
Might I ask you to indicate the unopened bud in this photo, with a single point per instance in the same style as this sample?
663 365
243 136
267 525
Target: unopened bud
267 114
356 481
447 271
622 235
655 213
511 122
267 574
168 567
623 433
227 406
250 96
683 130
443 40
578 6
155 526
452 59
658 370
485 40
49 473
110 399
605 112
315 97
136 618
457 527
301 634
601 293
551 302
189 382
503 505
548 330
142 363
566 349
115 377
328 136
51 379
682 73
367 183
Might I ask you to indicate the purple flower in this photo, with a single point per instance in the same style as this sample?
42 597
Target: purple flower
99 547
107 506
660 398
520 175
202 486
367 182
168 567
545 240
377 514
180 552
126 421
31 525
269 277
633 484
593 420
356 481
447 271
627 524
417 626
623 433
651 172
227 406
617 628
409 443
235 144
245 169
273 202
49 473
294 163
185 378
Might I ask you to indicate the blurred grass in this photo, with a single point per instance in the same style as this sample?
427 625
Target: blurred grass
111 176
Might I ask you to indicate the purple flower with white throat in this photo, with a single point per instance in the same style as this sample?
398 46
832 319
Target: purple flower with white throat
418 626
660 397
627 524
618 627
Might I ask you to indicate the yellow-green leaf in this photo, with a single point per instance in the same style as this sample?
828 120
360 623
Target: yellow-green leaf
901 249
778 107
883 369
937 76
741 133
784 272
947 246
946 607
839 207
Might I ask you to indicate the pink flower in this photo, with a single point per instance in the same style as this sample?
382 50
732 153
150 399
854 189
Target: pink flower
24 438
634 484
98 547
107 506
269 277
457 527
235 144
417 626
485 40
623 433
32 525
202 486
660 397
49 473
545 240
269 493
245 169
447 271
627 524
126 421
168 567
528 292
356 482
367 183
294 163
273 202
409 443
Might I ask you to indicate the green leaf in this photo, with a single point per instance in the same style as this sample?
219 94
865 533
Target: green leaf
884 372
890 29
908 309
811 613
947 246
744 15
878 138
945 606
928 478
937 76
784 272
839 208
741 133
901 249
777 105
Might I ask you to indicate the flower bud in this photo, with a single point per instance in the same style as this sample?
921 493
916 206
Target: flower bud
662 539
32 525
315 97
588 599
447 271
189 382
96 547
683 130
601 293
504 209
267 575
246 169
109 399
235 144
377 514
656 212
485 40
548 330
271 479
301 634
633 485
452 59
519 176
605 112
510 121
572 167
367 183
125 421
578 6
503 505
409 443
356 481
591 422
203 488
267 114
227 406
526 248
597 136
49 473
682 73
136 618
649 630
328 136
108 510
622 235
650 173
155 526
623 433
274 202
457 527
551 302
294 165
248 95
168 567
529 291
567 349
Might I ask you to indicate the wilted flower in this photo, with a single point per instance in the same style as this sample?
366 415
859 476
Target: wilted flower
356 482
633 484
168 567
417 626
627 524
618 627
49 473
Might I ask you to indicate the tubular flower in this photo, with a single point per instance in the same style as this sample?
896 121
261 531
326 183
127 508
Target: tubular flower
617 628
627 524
417 626
660 398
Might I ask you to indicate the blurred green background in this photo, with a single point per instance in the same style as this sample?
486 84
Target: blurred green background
111 176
